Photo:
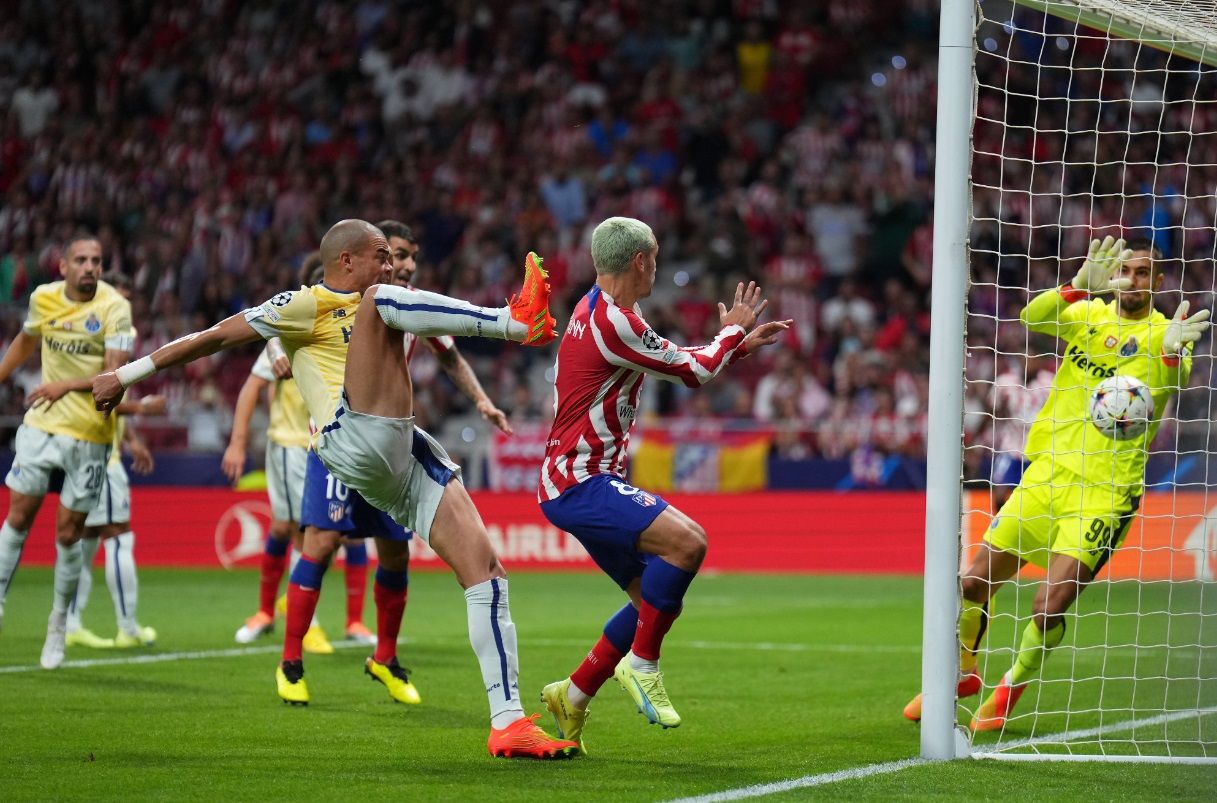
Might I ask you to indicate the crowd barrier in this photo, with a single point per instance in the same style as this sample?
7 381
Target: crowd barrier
779 531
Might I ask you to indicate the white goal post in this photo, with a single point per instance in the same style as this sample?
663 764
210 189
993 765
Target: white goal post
1110 127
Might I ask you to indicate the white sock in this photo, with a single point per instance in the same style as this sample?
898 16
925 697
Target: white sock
68 562
88 548
11 542
431 315
493 636
120 576
642 664
577 697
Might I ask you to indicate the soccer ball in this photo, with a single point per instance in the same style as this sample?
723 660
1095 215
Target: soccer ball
1121 407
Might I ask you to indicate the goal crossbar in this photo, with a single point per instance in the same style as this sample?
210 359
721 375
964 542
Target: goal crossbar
1187 28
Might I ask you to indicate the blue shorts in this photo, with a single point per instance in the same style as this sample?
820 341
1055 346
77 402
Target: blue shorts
330 505
1007 469
607 516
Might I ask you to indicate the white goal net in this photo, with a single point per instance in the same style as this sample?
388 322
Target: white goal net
1098 117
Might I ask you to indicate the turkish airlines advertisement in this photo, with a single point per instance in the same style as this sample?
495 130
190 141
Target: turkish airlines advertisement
1174 537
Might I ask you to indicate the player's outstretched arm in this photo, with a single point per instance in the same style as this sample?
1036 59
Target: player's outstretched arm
1053 312
233 461
108 388
765 334
21 349
461 373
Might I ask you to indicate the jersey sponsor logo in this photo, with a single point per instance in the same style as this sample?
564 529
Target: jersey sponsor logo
1129 348
92 324
576 329
241 531
1078 357
626 413
68 346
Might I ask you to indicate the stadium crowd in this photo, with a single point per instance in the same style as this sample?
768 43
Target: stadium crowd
211 144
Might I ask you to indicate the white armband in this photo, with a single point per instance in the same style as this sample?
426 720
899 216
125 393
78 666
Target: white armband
133 372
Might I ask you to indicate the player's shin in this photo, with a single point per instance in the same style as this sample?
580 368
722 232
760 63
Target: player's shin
493 637
122 579
1033 648
356 575
302 593
68 562
274 562
433 315
663 591
973 621
390 591
12 541
84 586
602 659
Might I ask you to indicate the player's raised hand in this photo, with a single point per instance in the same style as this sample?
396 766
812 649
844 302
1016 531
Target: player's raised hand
1183 330
494 415
766 334
47 394
107 391
1103 260
747 307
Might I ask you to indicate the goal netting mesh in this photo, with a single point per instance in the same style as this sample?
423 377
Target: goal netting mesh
1098 117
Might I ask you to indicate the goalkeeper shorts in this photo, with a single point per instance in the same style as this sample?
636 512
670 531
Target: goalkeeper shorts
1055 510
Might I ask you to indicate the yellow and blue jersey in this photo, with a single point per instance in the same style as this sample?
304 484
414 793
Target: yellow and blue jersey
75 336
315 325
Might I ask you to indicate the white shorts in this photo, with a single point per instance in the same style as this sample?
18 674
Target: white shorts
114 504
39 453
285 479
394 465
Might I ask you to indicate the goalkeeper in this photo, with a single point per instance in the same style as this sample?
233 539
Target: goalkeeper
1076 500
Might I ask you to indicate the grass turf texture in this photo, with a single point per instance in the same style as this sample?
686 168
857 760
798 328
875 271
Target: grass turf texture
776 677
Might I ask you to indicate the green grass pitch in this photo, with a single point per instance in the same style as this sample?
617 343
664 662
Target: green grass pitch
777 678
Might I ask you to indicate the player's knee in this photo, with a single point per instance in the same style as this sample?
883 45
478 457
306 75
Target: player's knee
975 588
690 547
281 530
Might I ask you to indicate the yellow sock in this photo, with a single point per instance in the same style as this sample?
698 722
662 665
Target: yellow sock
973 617
1032 650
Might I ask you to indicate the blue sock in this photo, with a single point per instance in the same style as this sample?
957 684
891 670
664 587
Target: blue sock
664 585
276 547
619 630
357 554
308 573
390 579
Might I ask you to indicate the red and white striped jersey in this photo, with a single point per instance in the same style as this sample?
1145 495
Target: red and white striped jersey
604 355
438 344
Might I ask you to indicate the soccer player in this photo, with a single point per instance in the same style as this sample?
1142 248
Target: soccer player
331 511
356 389
109 523
83 325
649 548
1077 499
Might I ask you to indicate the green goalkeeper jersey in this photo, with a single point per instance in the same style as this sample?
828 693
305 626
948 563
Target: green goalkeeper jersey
1099 344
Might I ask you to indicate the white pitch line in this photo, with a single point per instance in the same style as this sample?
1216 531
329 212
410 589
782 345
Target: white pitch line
803 783
760 790
162 657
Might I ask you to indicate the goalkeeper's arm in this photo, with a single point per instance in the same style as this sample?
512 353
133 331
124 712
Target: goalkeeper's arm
1046 312
1181 334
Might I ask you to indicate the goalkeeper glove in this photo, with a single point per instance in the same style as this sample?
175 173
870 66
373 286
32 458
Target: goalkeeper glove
1183 331
1102 262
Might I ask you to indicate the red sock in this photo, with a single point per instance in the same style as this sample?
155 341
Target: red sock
273 567
653 625
597 667
390 607
357 586
301 605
